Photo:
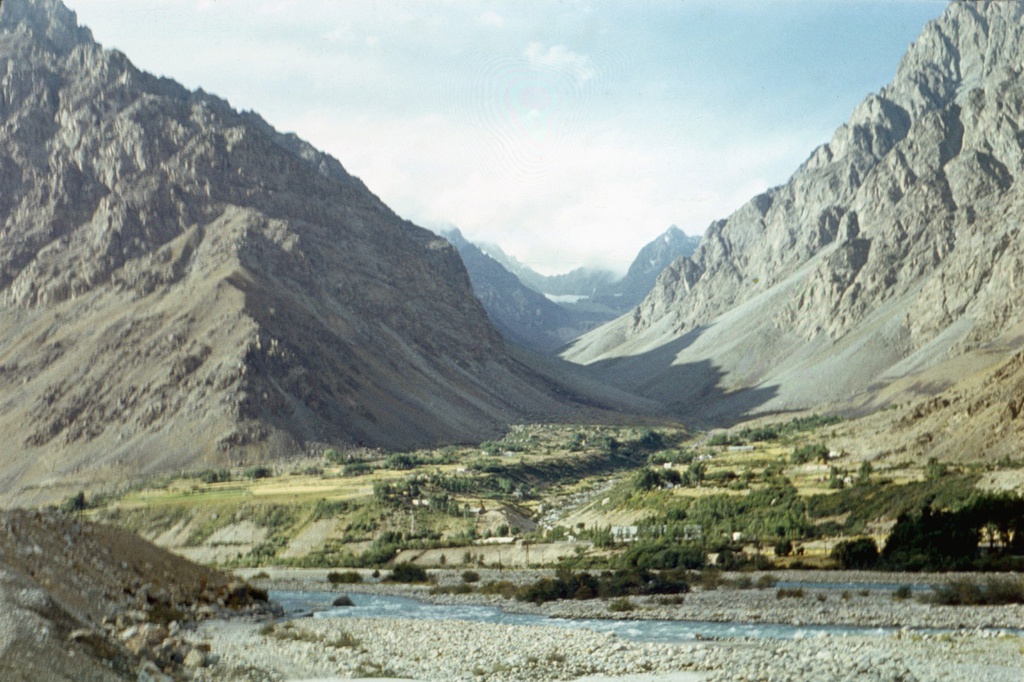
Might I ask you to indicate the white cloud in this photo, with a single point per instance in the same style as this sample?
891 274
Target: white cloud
561 59
492 19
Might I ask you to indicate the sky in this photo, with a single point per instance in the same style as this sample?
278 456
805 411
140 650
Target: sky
569 132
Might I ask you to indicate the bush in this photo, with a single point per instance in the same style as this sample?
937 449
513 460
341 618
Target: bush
902 593
211 476
790 593
470 577
407 573
258 472
809 453
75 503
861 553
622 604
662 555
966 592
345 577
452 589
784 547
356 469
505 588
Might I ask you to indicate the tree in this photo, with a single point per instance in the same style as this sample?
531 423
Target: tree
860 553
75 503
809 453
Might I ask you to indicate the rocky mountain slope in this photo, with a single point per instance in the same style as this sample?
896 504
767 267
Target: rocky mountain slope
82 601
180 284
894 248
522 315
649 263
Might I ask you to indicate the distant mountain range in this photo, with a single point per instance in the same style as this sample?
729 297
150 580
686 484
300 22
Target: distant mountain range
602 287
546 312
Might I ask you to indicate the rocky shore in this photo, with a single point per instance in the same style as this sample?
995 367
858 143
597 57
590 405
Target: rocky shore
322 648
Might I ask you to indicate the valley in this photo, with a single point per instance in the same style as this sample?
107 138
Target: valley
769 495
230 372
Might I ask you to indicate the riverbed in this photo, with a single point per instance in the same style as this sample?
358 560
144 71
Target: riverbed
324 647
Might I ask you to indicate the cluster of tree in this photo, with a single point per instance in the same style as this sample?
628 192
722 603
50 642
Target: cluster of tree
940 539
632 582
774 432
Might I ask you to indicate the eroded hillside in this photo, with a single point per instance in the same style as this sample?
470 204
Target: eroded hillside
182 284
892 249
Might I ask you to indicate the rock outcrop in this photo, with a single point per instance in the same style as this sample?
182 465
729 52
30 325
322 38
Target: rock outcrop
893 248
82 601
181 284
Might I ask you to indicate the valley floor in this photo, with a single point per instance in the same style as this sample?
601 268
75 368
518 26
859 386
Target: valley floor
970 648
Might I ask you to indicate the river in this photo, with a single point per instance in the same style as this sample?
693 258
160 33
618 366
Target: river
666 631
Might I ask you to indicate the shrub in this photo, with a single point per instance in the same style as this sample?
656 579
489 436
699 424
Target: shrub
966 592
258 472
861 553
356 469
452 589
809 453
622 604
902 593
344 577
505 588
470 577
401 462
662 555
407 573
789 593
75 503
784 547
211 476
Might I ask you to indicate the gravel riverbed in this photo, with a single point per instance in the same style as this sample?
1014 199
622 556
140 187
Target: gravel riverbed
971 649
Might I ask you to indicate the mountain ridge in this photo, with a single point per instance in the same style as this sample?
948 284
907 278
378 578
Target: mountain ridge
181 285
885 253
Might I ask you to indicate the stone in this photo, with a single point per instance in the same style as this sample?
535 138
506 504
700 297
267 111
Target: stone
195 659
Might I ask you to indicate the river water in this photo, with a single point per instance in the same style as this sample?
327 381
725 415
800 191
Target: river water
385 606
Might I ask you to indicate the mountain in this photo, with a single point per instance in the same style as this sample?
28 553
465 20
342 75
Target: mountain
546 312
582 281
601 287
893 249
522 315
978 417
643 272
180 284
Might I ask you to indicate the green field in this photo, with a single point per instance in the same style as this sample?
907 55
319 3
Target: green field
743 493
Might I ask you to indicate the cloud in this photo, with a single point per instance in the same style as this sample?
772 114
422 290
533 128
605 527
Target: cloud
492 19
561 59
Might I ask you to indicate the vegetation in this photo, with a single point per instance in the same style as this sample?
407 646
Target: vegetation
860 553
344 577
687 499
966 592
407 573
610 584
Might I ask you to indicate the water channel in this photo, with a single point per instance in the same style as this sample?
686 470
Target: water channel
668 631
